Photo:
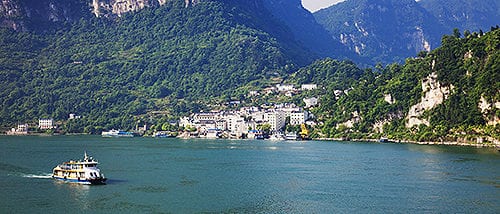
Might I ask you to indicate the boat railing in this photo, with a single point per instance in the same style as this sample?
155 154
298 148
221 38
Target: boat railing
70 167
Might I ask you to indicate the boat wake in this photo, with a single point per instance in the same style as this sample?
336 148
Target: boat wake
38 176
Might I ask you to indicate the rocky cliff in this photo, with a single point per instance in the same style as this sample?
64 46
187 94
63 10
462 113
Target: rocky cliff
119 7
29 14
434 94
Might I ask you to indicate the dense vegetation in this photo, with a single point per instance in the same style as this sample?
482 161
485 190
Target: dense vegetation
113 72
468 64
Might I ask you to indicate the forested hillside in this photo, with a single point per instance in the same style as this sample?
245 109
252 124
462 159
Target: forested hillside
169 58
450 93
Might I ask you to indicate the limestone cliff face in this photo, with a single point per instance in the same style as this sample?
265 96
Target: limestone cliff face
191 2
434 94
28 14
488 108
119 7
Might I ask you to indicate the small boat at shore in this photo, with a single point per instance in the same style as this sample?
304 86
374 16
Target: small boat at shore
117 133
383 140
277 137
291 136
81 172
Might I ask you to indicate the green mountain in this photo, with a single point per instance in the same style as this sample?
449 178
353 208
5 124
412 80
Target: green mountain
116 71
451 93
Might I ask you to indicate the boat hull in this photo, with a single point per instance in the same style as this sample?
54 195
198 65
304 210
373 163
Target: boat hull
97 181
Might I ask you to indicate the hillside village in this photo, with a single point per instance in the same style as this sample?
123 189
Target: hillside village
246 122
255 121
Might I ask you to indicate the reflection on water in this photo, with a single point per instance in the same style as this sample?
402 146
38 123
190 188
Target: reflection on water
78 193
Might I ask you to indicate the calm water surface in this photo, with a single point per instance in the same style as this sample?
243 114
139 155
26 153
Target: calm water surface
193 176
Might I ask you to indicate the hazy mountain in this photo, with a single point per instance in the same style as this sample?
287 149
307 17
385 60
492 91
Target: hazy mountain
472 15
306 29
392 30
385 30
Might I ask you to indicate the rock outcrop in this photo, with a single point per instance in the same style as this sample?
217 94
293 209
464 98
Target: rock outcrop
434 94
191 2
488 108
119 7
23 15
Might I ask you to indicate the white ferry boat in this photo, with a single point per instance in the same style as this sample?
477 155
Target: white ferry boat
117 133
82 172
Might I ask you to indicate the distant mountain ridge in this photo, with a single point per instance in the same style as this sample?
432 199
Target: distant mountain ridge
306 29
472 15
392 30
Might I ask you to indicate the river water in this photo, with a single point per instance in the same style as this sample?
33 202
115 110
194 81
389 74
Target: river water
244 176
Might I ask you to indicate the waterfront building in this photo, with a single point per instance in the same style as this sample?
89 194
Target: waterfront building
276 119
44 124
186 122
22 129
298 117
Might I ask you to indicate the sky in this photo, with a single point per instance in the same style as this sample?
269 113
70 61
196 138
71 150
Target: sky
314 5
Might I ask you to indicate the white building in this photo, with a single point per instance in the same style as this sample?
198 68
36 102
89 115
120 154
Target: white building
253 93
74 116
45 124
308 87
204 125
21 129
207 116
298 117
236 125
285 87
221 124
276 119
186 121
289 109
310 102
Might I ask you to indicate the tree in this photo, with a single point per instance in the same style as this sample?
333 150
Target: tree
456 33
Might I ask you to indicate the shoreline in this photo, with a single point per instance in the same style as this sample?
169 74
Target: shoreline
444 143
495 144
